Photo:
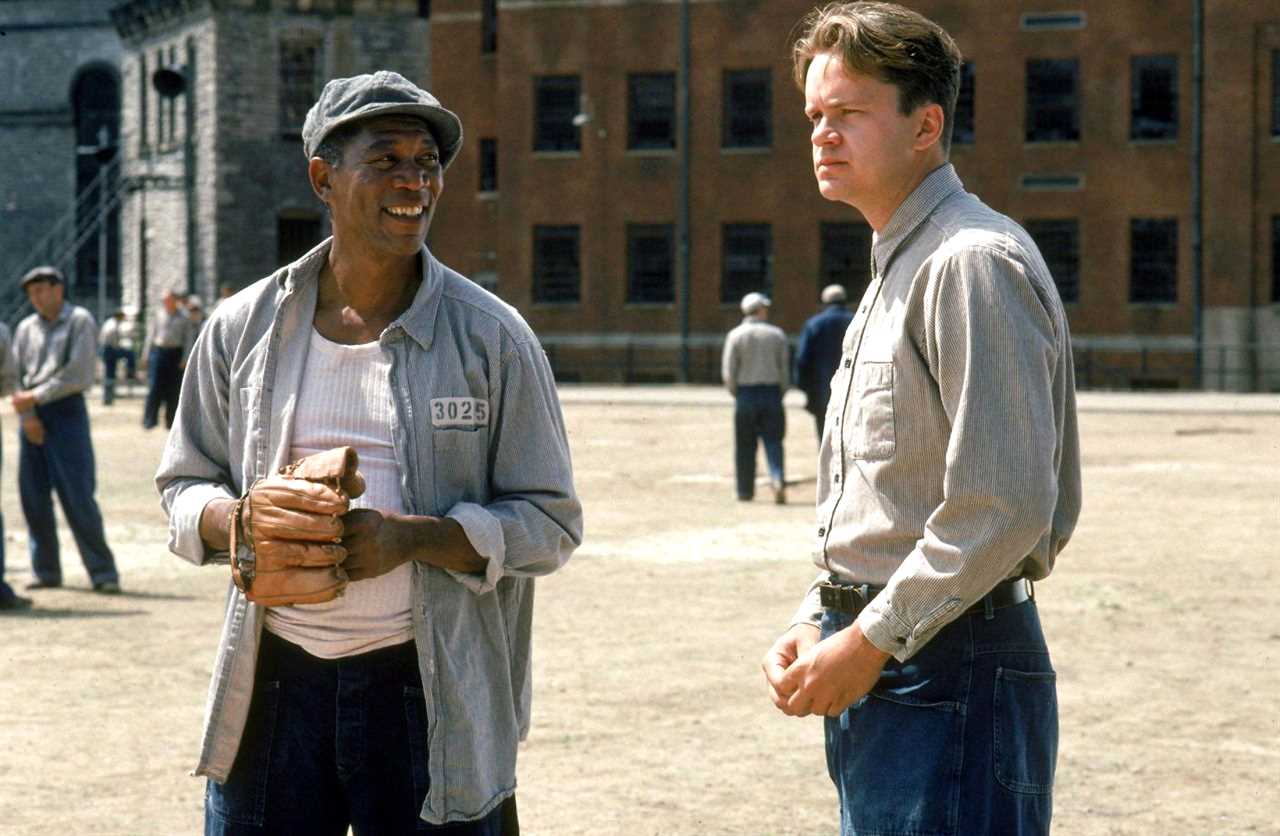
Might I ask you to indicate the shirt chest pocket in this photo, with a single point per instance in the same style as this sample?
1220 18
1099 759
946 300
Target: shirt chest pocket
869 426
460 461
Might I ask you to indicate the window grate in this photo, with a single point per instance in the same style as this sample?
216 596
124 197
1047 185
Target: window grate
557 273
746 256
1059 242
556 101
748 109
1153 256
650 262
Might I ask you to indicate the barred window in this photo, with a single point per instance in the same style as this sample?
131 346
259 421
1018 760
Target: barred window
846 257
1053 100
746 254
1153 103
556 100
299 79
1058 240
651 110
962 133
1275 258
650 263
557 273
1153 260
489 27
748 109
1275 92
488 164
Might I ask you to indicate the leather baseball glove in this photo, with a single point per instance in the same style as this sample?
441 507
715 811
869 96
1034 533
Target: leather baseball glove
286 530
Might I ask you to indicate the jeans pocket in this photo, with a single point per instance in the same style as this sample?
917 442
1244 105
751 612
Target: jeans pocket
415 720
895 762
242 799
1025 727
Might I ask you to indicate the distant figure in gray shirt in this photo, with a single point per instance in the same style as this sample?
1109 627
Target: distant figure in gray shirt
949 474
55 350
170 335
754 369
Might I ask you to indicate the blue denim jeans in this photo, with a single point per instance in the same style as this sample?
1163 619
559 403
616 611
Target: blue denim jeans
6 591
164 384
960 739
332 743
757 414
111 358
64 464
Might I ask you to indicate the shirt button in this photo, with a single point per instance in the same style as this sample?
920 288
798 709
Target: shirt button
863 309
837 478
821 531
848 363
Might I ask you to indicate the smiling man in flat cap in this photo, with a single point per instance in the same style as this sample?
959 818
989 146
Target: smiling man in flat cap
374 664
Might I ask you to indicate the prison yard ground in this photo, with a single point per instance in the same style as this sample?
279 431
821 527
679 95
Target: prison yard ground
650 711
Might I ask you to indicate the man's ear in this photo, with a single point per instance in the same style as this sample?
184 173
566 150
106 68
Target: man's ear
321 175
932 120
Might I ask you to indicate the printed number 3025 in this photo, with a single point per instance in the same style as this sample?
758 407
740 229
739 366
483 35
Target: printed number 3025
459 412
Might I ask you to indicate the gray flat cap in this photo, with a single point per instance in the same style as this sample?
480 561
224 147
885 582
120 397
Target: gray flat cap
384 93
43 273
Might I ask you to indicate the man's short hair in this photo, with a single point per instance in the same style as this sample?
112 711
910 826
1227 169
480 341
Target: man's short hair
334 146
890 43
833 293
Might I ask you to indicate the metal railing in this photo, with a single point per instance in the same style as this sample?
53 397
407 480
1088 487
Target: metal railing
60 246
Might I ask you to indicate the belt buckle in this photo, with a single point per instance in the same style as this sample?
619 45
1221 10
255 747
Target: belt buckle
847 599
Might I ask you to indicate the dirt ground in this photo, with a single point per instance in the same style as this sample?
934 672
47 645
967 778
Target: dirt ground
650 715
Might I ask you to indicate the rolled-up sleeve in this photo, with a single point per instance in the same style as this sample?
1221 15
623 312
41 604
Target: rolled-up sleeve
992 346
195 467
533 520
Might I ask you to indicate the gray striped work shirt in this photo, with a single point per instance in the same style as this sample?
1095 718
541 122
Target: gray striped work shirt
56 359
950 460
755 354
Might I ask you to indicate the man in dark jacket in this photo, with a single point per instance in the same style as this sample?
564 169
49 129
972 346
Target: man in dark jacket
818 353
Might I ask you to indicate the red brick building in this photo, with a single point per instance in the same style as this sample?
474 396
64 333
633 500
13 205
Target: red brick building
1077 119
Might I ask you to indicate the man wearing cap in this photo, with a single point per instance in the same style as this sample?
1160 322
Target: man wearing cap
195 315
55 350
169 340
754 368
395 701
818 352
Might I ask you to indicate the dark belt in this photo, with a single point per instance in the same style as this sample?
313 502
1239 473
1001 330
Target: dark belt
851 599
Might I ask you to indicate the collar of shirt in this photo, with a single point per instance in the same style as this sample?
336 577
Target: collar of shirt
418 321
63 313
940 184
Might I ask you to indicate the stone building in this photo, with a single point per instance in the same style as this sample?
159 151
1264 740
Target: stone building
1076 119
214 95
59 125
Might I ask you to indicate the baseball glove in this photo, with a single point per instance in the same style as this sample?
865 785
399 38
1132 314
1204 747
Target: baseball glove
286 533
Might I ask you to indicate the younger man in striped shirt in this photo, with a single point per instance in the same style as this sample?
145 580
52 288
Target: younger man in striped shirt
950 476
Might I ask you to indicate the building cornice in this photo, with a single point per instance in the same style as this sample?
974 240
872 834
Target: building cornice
138 19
